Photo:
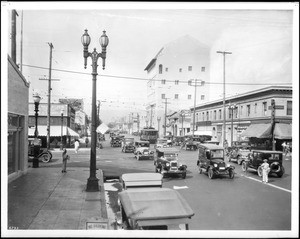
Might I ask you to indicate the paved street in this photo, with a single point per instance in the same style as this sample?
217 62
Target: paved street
242 203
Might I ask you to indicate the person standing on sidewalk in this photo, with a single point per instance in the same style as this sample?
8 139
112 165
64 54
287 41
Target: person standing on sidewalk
76 145
265 171
65 158
86 142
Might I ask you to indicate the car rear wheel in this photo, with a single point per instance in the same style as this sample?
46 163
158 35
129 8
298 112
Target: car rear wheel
183 175
210 174
231 173
259 171
244 166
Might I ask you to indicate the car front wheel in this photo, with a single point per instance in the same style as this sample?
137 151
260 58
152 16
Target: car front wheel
210 174
259 171
244 166
281 172
45 157
200 170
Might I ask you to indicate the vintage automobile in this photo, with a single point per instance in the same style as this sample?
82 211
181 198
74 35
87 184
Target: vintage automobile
178 140
154 208
128 145
166 162
161 143
239 154
211 142
192 143
211 160
43 154
142 150
116 141
141 180
256 158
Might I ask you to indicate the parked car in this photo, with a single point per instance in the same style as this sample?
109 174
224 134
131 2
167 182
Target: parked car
128 145
256 158
239 154
43 154
211 160
161 143
142 150
154 209
166 162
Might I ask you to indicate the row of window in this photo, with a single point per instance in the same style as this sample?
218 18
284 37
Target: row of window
176 96
190 68
201 83
238 111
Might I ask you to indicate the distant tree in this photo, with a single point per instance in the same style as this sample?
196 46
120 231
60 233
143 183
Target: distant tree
111 125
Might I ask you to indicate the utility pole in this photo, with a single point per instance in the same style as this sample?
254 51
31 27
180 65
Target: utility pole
165 128
21 54
49 96
151 115
195 97
138 122
224 112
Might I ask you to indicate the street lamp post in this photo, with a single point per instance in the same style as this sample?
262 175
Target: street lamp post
61 133
36 99
92 183
232 107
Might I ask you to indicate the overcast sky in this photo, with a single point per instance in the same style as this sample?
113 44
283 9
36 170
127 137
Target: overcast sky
260 39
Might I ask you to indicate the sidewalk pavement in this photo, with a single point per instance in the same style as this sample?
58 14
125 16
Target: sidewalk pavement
46 198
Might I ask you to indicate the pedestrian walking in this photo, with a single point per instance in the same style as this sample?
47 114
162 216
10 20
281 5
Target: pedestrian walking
76 145
265 171
65 158
86 141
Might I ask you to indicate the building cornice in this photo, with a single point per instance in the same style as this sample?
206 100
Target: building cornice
14 65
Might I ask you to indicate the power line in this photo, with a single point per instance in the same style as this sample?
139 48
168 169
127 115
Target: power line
145 79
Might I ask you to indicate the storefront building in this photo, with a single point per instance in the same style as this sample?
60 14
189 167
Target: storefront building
62 124
263 113
17 121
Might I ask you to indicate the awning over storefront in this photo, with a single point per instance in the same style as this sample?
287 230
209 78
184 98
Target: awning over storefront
55 131
283 131
258 131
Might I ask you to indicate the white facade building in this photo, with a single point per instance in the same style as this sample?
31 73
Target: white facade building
172 74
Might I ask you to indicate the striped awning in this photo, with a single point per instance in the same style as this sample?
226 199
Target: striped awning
55 131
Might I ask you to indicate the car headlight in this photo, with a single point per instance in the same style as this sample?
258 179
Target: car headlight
167 164
215 165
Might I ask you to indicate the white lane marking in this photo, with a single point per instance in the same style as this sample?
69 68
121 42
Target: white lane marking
107 161
177 187
269 184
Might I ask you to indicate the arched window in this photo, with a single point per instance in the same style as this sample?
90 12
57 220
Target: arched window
160 69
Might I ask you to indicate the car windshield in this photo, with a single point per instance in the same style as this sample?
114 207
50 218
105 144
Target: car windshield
170 157
217 153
